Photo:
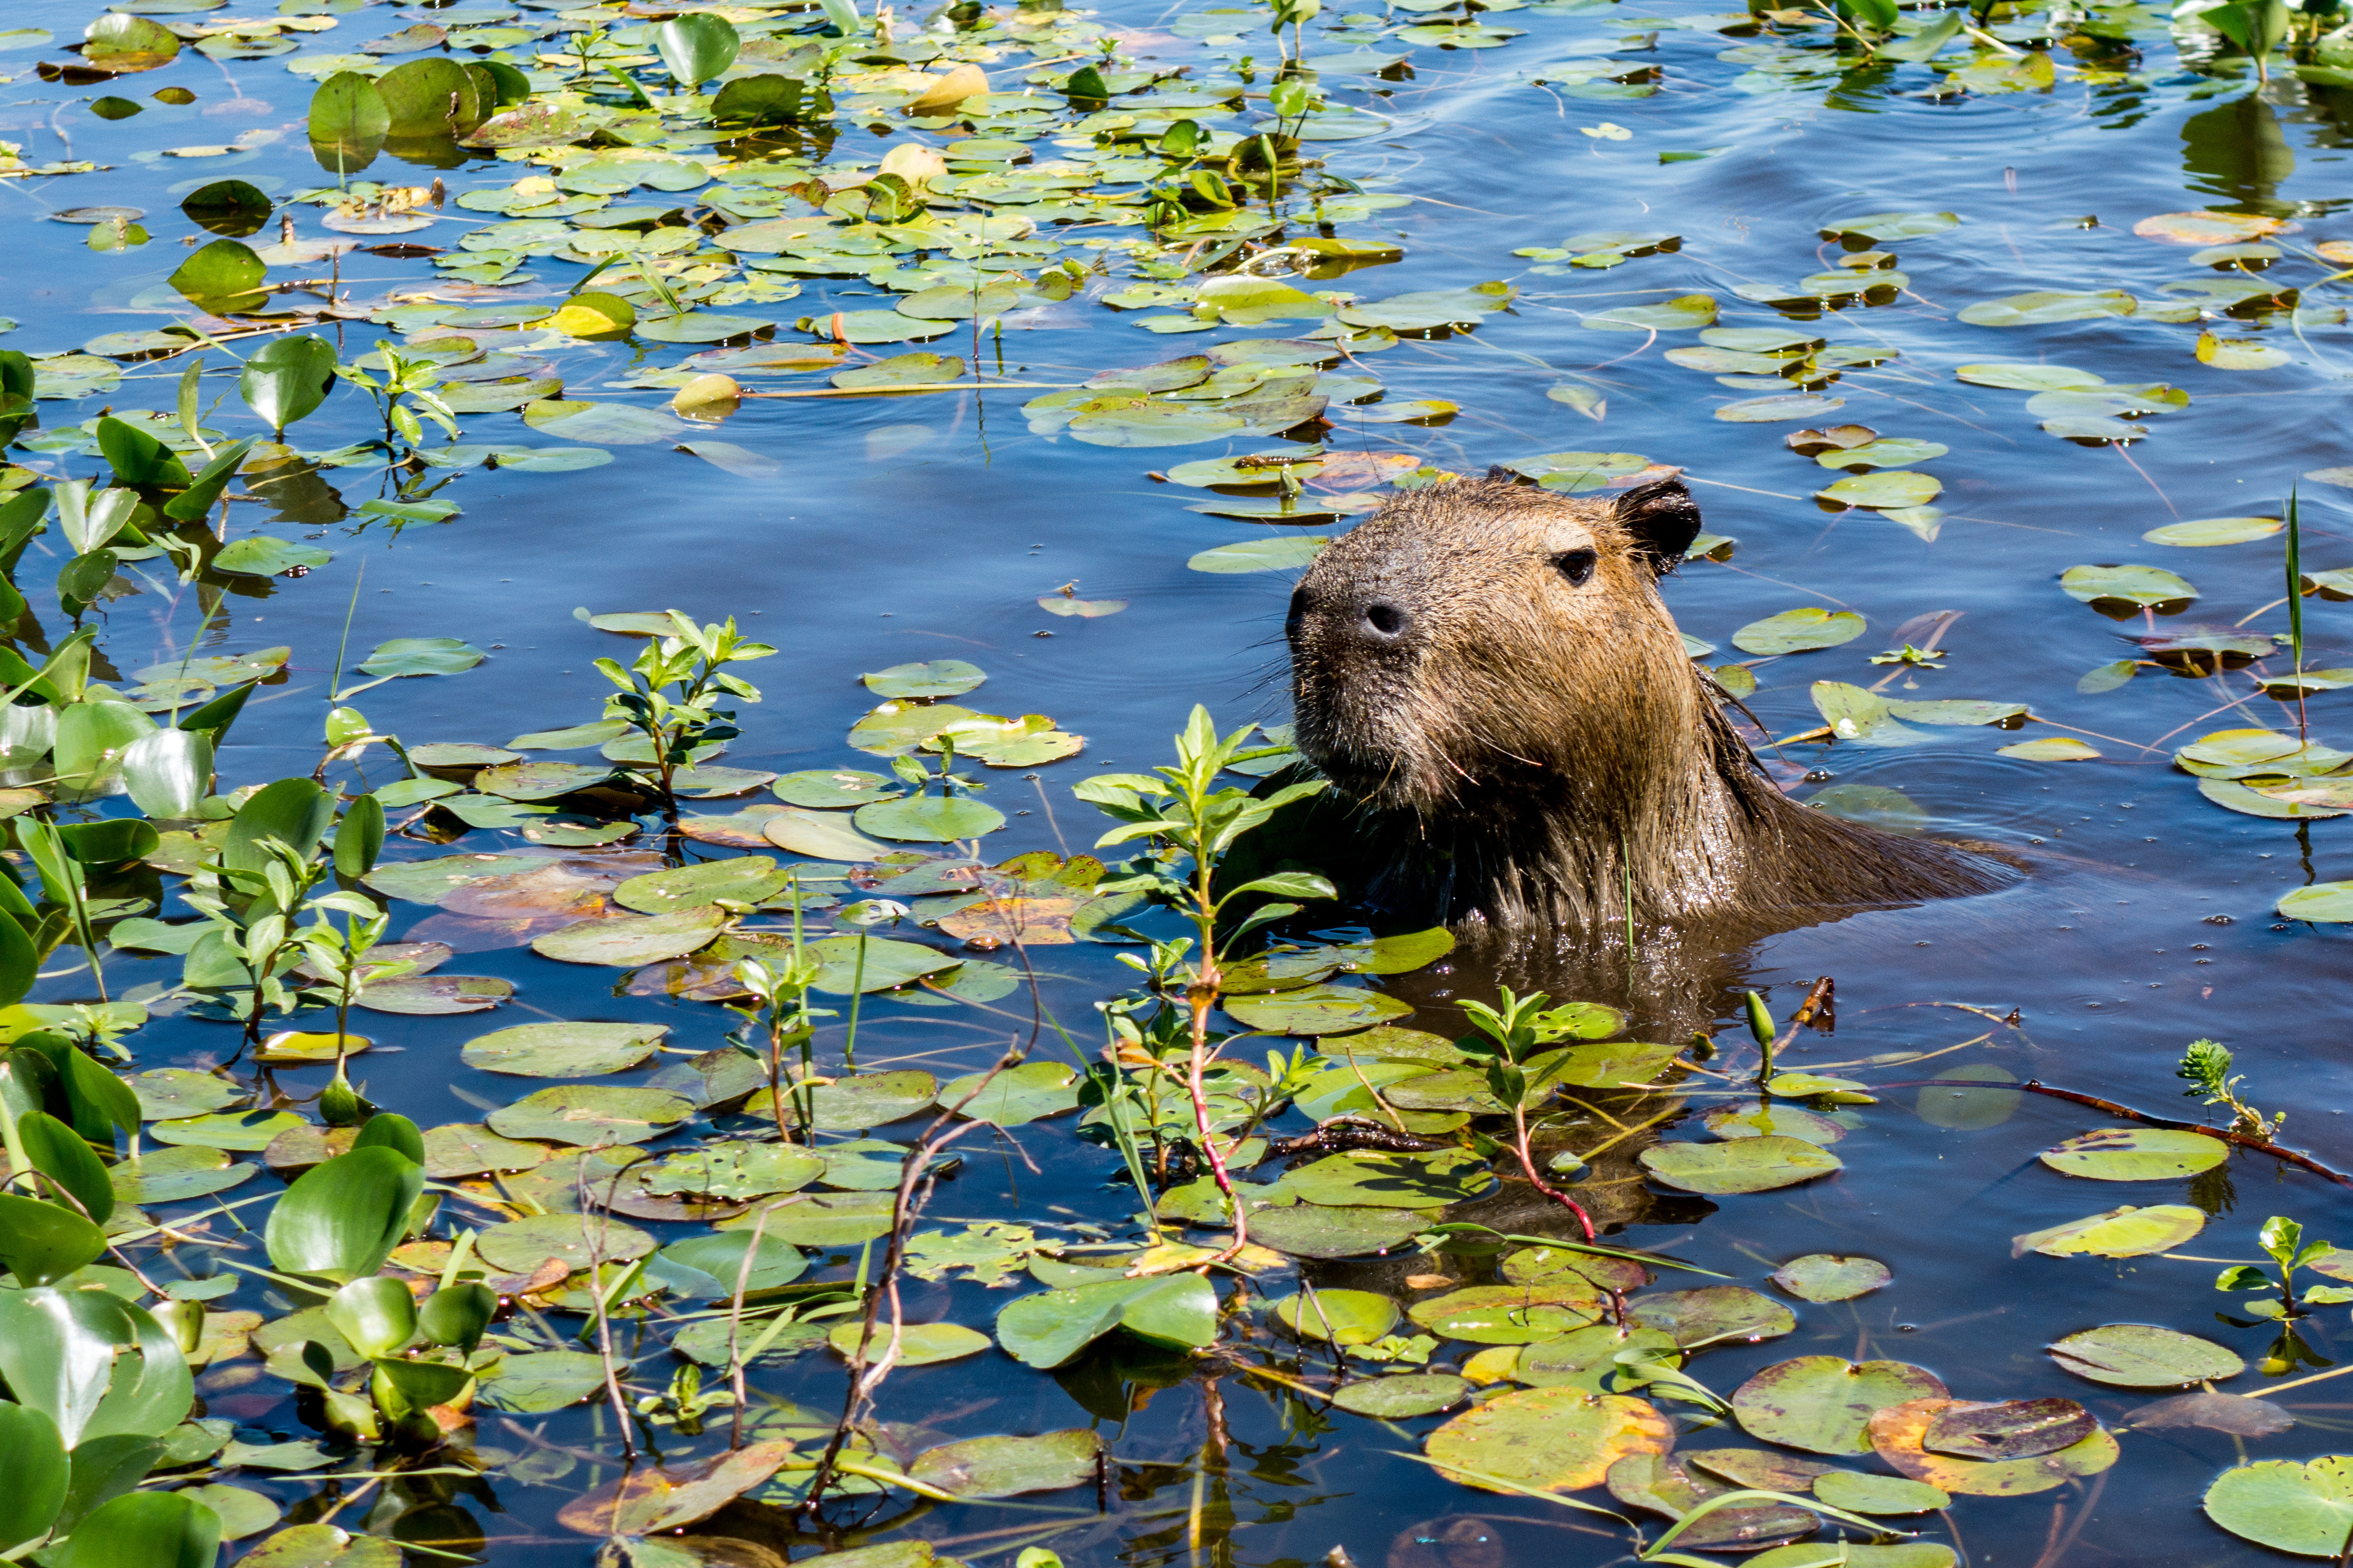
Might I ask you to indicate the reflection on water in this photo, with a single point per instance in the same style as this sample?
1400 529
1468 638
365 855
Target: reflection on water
2238 152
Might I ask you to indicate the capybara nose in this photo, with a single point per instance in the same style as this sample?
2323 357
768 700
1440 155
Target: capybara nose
1385 621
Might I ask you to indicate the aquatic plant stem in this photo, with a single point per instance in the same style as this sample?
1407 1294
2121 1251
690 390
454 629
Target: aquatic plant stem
1528 1169
2109 1107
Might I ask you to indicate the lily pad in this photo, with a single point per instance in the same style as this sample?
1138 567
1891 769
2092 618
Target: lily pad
929 819
2136 1154
1017 1096
2009 1429
1825 1277
2028 377
1743 1165
591 1114
1326 1230
1713 1314
919 1345
2306 1509
1509 1314
2126 585
1824 1403
822 835
1560 1440
564 1050
1798 631
1371 1178
1897 1432
2126 1231
871 1099
1011 1467
2042 307
745 880
1884 491
2142 1355
1401 1398
1338 1317
519 1247
1778 410
1878 1494
1316 1010
632 940
2211 531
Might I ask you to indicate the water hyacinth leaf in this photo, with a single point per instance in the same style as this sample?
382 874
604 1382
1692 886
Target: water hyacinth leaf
2136 1154
2142 1355
2124 1232
1897 1432
223 275
40 1242
39 1471
587 1114
2304 1508
341 1219
1824 1403
167 1530
564 1050
697 47
1559 1439
1825 1277
1798 631
918 1344
1316 1010
430 98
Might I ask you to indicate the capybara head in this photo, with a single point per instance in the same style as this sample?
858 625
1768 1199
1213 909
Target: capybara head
1485 632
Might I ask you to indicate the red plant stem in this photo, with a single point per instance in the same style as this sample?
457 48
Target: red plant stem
1528 1168
1202 995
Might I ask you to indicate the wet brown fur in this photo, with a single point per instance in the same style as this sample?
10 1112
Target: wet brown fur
1530 750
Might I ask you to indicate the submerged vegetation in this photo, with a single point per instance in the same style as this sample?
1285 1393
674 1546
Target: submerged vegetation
288 1290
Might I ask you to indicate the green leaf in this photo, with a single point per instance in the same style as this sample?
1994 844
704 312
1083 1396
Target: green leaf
1798 631
295 812
2124 1232
59 1152
1009 1466
696 48
288 378
919 1345
93 1363
2306 1509
429 98
41 1241
224 275
1741 1165
148 1530
35 1458
377 1314
341 1219
2140 1355
1823 1403
2136 1154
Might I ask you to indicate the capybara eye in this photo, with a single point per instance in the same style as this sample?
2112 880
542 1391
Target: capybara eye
1577 565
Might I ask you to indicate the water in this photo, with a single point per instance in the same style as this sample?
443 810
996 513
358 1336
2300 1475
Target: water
925 527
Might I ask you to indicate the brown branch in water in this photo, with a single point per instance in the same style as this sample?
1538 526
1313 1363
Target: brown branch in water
2032 1086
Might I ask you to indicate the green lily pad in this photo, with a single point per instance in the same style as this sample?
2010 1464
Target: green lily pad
1279 554
1011 1467
884 964
2136 1154
2141 1355
745 879
2042 307
730 1172
564 1050
871 1099
934 678
1889 227
436 995
826 788
2051 749
1684 314
258 557
1771 1120
1338 1317
919 1345
1742 1165
1316 1010
632 939
2324 902
2019 377
821 1219
1878 1494
1887 452
1888 490
247 1131
1560 1440
1779 409
537 1382
1325 1230
822 835
1373 1179
1510 1314
1826 1276
1614 1065
1713 1314
1823 1403
167 1175
2126 1231
2210 531
1798 631
1017 1096
1401 1398
2305 1509
929 819
538 780
2130 585
591 1113
181 1091
521 1246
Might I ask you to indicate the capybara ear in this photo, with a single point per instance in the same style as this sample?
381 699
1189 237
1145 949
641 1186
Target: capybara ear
1661 519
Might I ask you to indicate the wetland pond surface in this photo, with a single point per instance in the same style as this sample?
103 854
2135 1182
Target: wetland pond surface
374 372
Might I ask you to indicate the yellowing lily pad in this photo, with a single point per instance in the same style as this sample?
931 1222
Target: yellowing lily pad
1559 1439
2126 1231
1824 1403
2136 1154
1897 1432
